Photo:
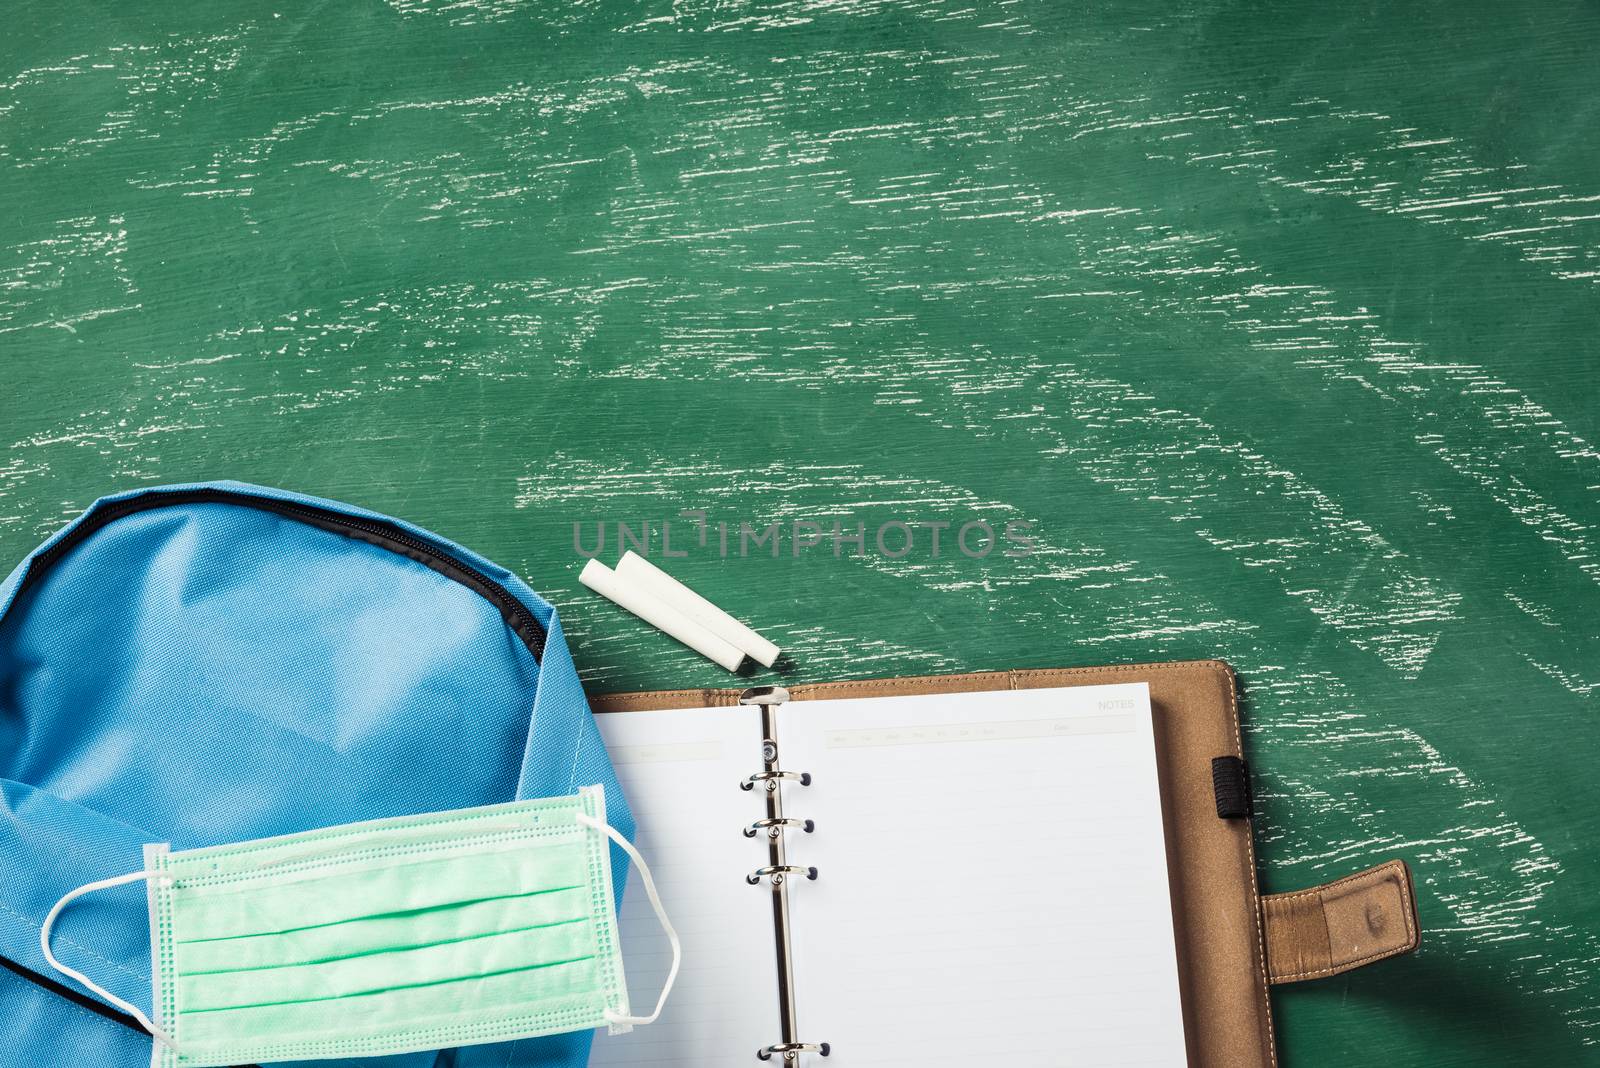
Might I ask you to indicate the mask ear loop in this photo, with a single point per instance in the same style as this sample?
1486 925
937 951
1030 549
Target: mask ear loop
44 944
661 915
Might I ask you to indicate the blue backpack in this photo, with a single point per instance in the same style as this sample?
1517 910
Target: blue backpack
219 662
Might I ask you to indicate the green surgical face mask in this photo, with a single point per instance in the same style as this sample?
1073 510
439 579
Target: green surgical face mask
421 932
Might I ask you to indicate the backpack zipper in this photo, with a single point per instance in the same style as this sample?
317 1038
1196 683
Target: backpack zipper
384 534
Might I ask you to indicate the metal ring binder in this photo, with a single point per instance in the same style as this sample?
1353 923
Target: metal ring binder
778 868
775 827
778 871
771 779
789 1049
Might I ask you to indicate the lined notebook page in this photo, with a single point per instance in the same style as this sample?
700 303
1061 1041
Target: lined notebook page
681 771
993 884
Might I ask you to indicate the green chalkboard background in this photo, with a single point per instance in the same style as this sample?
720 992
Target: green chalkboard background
1277 322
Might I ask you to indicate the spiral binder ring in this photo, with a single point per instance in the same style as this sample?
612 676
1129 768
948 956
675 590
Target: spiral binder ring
774 826
771 778
788 1049
778 871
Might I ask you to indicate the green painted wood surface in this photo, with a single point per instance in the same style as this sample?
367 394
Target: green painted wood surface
1277 322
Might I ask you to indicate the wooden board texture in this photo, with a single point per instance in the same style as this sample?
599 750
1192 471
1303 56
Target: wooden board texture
1277 322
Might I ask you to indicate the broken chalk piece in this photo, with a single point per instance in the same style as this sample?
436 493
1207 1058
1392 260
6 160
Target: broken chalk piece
636 570
656 612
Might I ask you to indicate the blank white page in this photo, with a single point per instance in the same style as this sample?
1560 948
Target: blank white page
680 771
992 881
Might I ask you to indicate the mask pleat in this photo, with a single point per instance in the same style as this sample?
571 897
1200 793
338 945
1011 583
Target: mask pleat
376 973
377 887
504 999
374 934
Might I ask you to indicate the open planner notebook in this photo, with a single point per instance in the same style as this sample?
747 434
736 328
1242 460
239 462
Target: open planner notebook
991 881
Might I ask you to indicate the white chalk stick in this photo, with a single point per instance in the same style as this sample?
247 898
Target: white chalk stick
656 612
637 571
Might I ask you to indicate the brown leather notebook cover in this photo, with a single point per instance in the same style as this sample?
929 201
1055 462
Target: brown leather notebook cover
1232 942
